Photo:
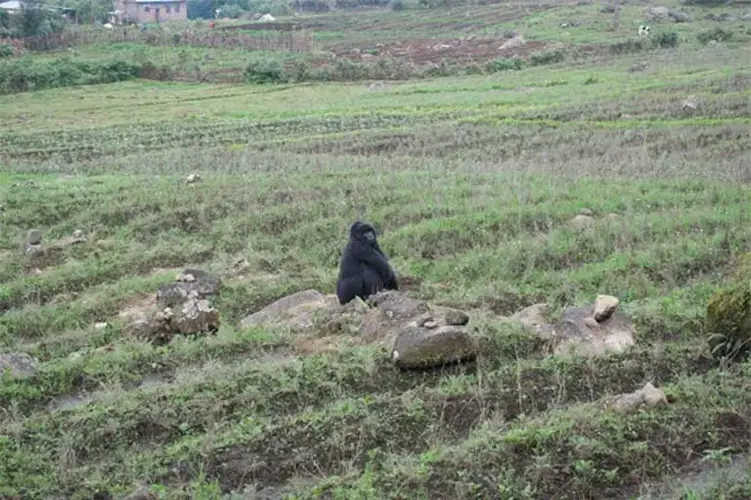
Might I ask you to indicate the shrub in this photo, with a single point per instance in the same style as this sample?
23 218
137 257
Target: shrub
24 74
550 57
630 45
6 51
264 71
666 39
717 34
504 64
728 319
397 5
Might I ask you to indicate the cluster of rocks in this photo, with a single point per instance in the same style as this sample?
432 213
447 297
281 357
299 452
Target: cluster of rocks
183 307
35 247
422 335
661 13
590 330
17 364
425 336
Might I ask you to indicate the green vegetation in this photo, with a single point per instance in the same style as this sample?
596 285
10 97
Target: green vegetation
471 174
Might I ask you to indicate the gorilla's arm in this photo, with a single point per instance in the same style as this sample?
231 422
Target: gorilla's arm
375 260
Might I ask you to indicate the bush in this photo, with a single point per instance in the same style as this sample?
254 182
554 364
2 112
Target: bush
667 39
24 74
6 51
265 71
728 320
398 5
504 64
717 34
630 45
550 57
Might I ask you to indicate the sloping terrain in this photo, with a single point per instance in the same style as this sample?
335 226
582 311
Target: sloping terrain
472 182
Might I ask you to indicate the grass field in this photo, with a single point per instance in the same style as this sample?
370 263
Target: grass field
471 181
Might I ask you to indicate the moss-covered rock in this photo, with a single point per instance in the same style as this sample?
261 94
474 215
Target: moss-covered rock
728 320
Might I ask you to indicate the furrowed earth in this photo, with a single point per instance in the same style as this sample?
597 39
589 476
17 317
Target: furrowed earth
598 164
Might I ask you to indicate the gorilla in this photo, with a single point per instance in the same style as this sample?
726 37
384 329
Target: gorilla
364 269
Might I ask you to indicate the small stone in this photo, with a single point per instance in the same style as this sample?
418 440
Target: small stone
605 306
100 326
582 221
419 348
78 234
430 324
456 317
193 178
586 211
689 104
648 396
424 319
34 237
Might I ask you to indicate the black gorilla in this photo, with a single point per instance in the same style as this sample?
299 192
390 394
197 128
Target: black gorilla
364 269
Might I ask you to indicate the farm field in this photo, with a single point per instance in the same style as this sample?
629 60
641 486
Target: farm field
472 181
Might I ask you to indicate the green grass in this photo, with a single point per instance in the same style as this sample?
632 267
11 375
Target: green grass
471 181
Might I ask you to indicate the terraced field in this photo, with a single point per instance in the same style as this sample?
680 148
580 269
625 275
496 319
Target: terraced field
472 182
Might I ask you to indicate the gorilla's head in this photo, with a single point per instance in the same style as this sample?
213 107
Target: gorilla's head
363 231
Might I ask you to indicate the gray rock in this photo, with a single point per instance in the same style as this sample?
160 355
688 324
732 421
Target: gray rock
578 332
607 9
34 237
605 306
680 17
658 12
195 316
20 364
456 317
647 397
282 307
582 221
398 306
190 281
35 250
416 347
534 318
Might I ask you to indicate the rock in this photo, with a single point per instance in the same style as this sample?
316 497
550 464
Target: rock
657 13
746 16
190 281
586 211
267 18
456 317
78 234
646 397
613 217
582 221
34 237
689 104
578 332
605 306
607 9
195 316
35 250
638 66
193 178
398 306
19 364
680 17
534 318
284 307
100 326
416 347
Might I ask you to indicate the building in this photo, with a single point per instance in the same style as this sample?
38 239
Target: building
150 11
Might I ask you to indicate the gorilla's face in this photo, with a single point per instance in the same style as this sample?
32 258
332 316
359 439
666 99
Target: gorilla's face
363 232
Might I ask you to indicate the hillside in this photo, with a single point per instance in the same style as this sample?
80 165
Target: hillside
471 166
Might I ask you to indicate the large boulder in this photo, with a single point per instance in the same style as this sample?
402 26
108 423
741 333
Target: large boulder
727 323
578 332
421 347
18 364
591 330
299 305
